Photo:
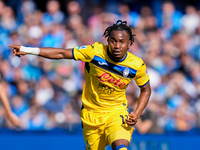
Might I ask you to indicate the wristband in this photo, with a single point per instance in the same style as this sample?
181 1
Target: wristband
30 50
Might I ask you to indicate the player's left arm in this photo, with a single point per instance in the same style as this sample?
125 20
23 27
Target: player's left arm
143 99
4 100
142 80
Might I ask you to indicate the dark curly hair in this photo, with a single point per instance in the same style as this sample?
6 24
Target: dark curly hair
120 25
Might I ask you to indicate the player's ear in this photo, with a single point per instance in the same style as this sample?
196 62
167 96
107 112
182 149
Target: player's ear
108 39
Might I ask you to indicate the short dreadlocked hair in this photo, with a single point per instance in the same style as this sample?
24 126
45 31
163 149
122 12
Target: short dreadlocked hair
120 25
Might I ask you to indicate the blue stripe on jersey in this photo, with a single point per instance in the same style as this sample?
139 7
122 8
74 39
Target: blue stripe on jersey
120 147
145 84
73 54
119 70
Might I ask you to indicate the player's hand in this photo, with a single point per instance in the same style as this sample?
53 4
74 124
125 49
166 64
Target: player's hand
133 118
16 50
14 119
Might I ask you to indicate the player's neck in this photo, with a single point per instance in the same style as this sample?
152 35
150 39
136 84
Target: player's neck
113 58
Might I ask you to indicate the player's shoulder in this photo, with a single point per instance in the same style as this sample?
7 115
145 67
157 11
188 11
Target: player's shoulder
98 45
99 48
95 46
135 59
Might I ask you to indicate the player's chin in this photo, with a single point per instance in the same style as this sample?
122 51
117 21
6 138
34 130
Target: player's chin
117 57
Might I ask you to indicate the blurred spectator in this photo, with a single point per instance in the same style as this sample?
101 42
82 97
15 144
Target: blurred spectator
19 106
131 17
54 37
34 118
169 19
71 116
27 8
73 8
190 20
8 21
24 90
6 70
56 103
53 14
70 40
34 35
44 91
95 23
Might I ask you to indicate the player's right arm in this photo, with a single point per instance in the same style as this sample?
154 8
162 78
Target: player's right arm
51 53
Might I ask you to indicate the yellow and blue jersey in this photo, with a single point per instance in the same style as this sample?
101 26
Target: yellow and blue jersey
107 80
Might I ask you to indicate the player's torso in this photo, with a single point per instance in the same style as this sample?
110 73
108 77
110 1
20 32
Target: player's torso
106 81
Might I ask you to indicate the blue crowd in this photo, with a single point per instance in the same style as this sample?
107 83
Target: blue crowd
46 94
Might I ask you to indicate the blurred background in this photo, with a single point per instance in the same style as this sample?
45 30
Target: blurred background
46 94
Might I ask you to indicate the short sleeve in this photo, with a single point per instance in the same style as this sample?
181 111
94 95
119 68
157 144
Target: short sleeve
142 77
83 53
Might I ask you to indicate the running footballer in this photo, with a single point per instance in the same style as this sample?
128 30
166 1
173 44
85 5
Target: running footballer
108 70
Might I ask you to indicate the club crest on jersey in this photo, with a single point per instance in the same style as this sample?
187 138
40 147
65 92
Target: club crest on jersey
82 47
126 72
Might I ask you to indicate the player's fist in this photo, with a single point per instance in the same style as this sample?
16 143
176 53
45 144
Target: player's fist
16 50
133 118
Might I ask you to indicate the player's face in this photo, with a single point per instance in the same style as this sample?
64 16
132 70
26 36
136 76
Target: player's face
118 44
